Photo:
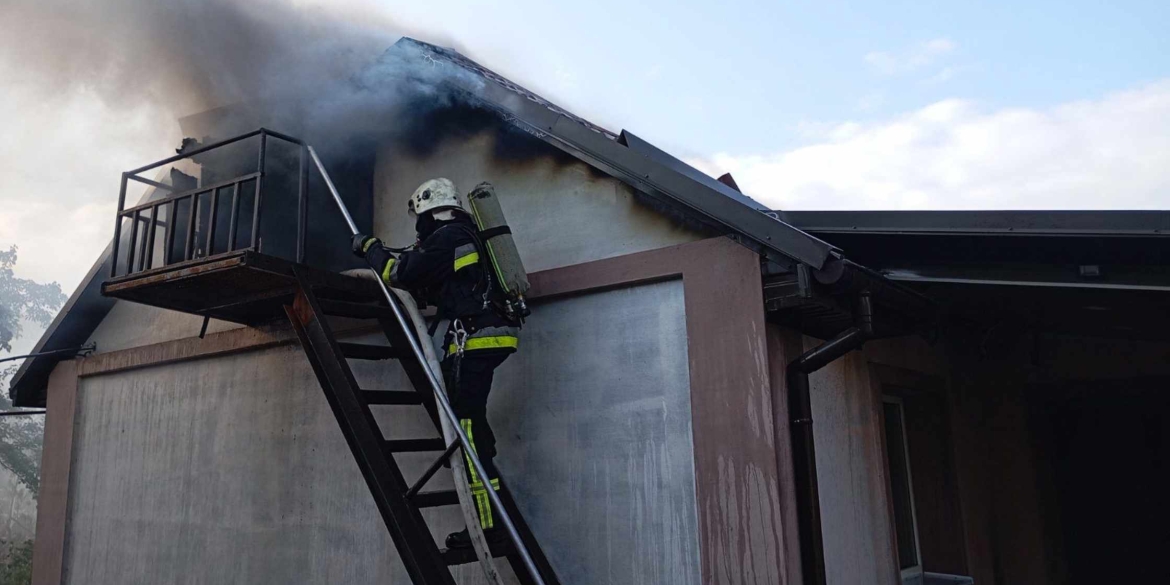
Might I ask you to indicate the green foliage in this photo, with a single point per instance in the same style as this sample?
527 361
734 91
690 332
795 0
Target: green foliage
23 299
20 446
16 564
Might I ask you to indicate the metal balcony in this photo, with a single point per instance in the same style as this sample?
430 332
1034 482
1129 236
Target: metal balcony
202 249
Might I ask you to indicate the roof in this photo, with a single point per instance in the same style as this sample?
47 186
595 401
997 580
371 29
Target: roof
1004 247
72 326
456 58
1054 223
1097 273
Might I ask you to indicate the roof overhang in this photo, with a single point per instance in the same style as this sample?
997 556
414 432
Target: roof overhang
1095 273
1000 223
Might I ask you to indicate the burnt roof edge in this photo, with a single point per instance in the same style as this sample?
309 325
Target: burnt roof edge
599 149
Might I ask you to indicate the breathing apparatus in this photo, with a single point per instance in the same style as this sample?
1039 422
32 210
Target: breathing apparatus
492 235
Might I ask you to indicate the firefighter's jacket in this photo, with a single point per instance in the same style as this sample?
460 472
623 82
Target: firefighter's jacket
450 271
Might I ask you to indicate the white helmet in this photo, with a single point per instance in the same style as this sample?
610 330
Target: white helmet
435 194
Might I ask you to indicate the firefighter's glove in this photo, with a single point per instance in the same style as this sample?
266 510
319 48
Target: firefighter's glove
362 243
378 256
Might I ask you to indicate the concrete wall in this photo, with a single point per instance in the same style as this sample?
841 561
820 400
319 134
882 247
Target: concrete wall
851 474
217 471
857 521
233 469
596 413
132 325
561 212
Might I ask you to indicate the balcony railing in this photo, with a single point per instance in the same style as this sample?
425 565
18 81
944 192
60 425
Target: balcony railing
198 209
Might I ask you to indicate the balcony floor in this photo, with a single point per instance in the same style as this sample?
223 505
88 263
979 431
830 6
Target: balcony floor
242 287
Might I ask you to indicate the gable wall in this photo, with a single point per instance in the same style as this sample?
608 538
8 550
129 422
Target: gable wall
561 212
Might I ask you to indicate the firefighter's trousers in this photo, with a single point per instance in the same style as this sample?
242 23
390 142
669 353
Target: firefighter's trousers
469 395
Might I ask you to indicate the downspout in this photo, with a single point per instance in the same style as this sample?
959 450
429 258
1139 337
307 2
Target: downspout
804 461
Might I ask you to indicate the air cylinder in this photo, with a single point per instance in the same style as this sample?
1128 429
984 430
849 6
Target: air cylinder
493 227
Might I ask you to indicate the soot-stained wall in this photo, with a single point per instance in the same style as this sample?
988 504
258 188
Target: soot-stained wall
233 469
561 211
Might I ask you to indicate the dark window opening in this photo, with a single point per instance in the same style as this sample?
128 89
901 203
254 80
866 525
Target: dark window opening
900 487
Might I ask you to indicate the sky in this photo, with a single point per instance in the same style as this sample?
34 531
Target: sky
819 105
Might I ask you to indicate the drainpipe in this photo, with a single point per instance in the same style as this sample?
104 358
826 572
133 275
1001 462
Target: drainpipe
804 460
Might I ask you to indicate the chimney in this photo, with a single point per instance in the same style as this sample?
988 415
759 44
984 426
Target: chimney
728 180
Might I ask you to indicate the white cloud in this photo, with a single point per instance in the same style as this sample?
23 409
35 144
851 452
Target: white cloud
921 55
1109 153
944 75
871 101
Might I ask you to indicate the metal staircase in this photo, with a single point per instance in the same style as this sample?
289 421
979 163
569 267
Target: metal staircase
399 504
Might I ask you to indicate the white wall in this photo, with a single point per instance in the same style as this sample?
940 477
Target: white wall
560 214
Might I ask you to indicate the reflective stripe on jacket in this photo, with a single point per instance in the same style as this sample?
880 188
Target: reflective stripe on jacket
489 338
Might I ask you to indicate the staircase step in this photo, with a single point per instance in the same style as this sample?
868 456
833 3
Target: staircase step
354 310
365 351
435 499
392 397
413 445
466 556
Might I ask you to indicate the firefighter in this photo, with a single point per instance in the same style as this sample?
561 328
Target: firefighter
449 269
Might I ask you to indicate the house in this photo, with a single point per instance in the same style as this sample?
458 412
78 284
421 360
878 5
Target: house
708 391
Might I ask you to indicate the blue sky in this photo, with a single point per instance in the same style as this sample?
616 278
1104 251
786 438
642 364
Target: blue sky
744 76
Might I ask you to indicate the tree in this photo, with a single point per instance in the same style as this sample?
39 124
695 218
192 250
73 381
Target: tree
16 563
22 300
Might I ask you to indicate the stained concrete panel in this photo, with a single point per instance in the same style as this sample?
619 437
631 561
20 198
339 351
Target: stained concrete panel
560 214
233 470
596 436
855 518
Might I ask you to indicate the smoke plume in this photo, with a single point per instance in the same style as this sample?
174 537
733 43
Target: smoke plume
190 54
93 88
313 69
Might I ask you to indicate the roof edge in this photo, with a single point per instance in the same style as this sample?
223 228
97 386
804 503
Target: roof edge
71 327
74 323
603 150
1150 223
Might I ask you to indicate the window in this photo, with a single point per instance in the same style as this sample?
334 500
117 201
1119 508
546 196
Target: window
901 490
